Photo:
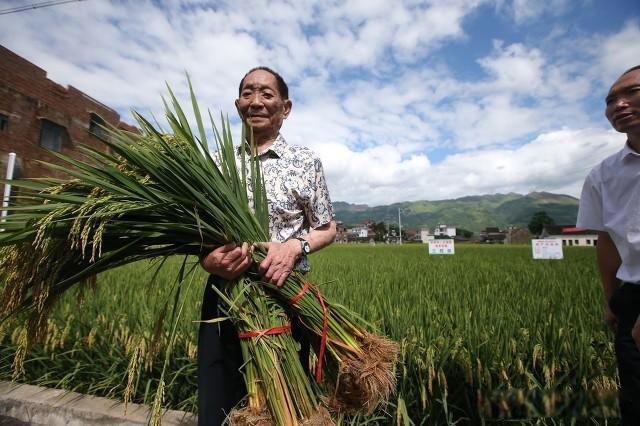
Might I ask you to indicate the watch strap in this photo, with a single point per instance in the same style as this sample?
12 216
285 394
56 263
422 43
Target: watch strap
305 248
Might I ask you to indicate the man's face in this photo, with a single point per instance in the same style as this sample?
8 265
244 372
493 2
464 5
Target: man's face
623 103
260 104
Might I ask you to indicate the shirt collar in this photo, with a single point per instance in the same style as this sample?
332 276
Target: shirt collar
277 148
627 150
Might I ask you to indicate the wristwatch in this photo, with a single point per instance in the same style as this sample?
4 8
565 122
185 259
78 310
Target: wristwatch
304 245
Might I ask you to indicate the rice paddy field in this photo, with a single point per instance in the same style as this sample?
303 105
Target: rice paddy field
487 335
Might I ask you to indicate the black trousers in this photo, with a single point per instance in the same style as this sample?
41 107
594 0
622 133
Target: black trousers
625 304
220 383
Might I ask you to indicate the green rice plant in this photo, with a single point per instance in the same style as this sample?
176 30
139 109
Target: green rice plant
489 323
157 195
489 332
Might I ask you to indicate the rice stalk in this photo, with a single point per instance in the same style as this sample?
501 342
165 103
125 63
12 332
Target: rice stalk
159 195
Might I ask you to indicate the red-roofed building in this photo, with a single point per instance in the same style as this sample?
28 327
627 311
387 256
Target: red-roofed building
570 235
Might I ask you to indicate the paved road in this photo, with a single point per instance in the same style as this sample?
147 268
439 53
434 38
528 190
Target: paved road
10 421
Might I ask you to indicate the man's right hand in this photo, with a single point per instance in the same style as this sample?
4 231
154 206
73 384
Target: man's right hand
228 261
610 319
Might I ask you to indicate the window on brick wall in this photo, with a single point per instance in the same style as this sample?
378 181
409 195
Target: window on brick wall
4 122
52 135
96 128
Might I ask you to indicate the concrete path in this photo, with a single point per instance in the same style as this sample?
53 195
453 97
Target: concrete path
10 421
26 405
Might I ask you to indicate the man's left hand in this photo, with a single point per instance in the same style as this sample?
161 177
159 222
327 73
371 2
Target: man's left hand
280 260
635 332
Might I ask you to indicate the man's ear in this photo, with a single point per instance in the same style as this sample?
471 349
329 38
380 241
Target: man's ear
238 109
287 108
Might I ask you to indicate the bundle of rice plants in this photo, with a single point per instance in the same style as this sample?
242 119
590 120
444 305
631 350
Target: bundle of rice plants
159 194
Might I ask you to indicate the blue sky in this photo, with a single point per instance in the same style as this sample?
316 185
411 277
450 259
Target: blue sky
402 100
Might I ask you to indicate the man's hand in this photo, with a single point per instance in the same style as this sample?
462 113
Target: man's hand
228 261
611 320
280 260
635 332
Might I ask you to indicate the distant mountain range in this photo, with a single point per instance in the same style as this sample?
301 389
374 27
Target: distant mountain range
473 213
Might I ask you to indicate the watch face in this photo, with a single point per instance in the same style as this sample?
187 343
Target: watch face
306 248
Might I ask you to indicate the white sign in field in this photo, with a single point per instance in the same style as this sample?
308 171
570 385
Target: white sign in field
547 249
441 247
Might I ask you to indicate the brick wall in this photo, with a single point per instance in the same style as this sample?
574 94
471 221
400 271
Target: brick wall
27 97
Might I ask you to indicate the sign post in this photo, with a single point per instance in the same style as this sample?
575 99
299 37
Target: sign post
441 247
547 249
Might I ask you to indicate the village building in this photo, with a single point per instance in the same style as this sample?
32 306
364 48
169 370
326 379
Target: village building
462 239
362 233
412 235
570 235
392 237
39 117
444 231
492 235
425 235
341 233
359 231
439 232
518 236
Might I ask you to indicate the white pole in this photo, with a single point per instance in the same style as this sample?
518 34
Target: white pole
7 186
400 225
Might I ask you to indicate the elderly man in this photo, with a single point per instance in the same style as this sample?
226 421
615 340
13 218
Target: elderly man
301 221
610 204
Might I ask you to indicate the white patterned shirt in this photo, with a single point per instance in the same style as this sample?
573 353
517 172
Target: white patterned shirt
610 202
297 194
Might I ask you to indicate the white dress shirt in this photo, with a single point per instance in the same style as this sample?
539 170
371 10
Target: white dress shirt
610 202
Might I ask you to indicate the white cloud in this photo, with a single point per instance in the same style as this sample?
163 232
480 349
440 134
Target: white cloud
376 175
557 161
514 68
372 89
493 120
527 10
620 51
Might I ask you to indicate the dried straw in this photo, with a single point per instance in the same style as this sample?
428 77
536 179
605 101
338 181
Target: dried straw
249 416
365 381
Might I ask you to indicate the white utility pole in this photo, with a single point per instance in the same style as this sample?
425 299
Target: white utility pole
388 231
7 186
400 225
